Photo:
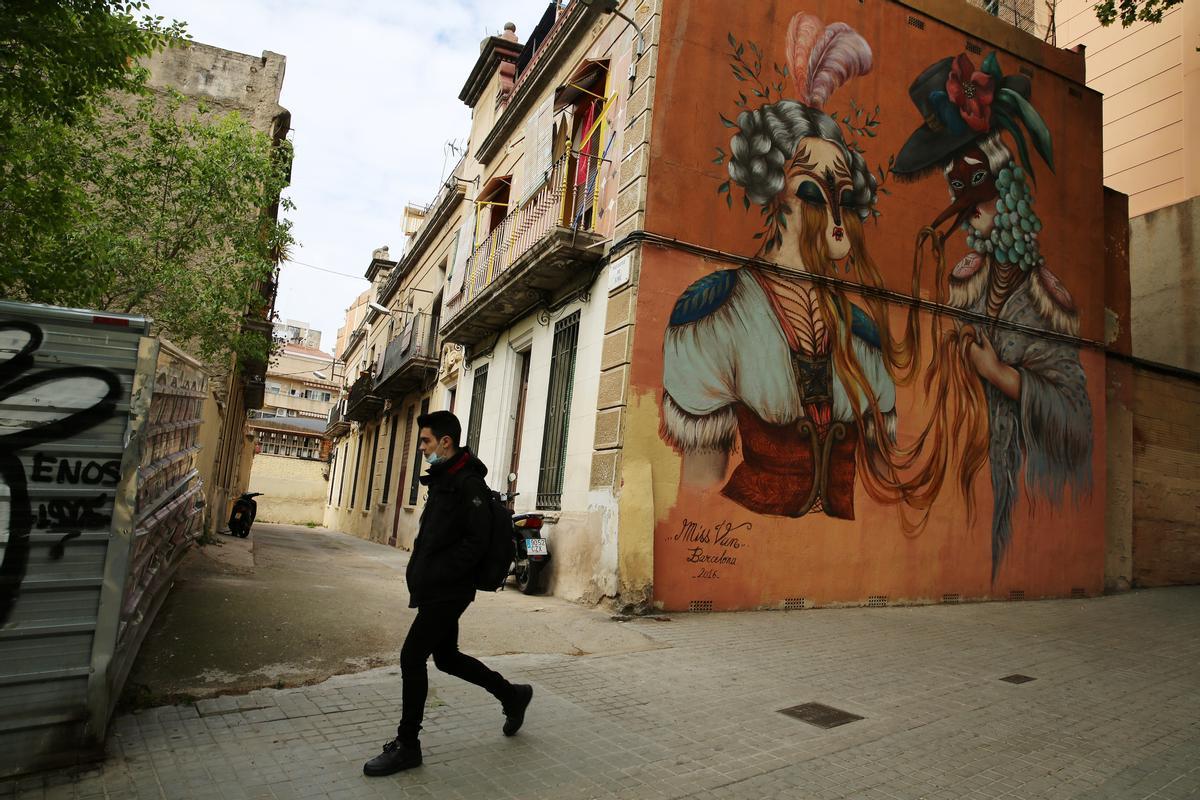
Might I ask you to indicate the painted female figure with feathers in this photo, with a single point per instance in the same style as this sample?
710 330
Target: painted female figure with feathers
787 365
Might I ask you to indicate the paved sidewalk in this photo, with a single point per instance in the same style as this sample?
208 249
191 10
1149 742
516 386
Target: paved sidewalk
1113 712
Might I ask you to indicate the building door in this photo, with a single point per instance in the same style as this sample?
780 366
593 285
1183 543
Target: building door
518 423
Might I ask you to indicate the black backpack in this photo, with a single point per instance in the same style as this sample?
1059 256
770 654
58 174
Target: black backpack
492 570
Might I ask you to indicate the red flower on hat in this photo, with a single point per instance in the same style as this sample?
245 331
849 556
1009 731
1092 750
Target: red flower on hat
972 92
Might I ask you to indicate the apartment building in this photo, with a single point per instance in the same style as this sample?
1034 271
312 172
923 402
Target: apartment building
301 390
294 331
648 290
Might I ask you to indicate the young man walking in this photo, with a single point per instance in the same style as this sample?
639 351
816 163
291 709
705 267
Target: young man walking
452 540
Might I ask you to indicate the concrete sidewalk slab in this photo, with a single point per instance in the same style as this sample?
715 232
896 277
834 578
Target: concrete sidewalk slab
1113 712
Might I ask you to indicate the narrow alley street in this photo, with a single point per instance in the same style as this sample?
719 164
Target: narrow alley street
294 605
676 706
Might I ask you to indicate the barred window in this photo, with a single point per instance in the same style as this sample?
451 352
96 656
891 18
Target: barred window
371 472
408 431
558 413
415 486
391 455
475 421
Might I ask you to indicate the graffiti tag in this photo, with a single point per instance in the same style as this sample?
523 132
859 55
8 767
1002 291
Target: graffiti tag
53 405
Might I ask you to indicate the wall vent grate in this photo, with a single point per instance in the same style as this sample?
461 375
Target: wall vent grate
916 22
1078 592
952 599
974 47
1016 594
877 601
793 603
700 605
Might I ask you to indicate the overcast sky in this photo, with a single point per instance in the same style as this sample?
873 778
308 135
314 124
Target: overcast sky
373 90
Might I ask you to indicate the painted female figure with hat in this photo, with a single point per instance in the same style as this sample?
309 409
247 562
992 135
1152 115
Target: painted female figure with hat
788 366
1038 412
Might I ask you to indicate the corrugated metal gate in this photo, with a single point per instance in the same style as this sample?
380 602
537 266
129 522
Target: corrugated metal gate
98 499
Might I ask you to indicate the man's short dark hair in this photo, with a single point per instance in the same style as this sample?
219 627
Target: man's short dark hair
441 423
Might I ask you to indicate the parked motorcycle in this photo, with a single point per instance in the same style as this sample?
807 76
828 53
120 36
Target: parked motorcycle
532 551
245 509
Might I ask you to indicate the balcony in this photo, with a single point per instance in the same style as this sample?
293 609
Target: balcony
362 404
544 249
408 358
337 425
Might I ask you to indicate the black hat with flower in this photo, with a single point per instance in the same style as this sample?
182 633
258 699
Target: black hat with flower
961 104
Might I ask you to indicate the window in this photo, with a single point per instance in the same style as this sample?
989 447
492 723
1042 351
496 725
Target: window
408 432
272 387
416 476
371 473
357 462
475 420
333 465
558 412
342 484
451 396
391 455
448 264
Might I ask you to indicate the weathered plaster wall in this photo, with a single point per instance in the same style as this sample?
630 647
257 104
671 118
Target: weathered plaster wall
1164 254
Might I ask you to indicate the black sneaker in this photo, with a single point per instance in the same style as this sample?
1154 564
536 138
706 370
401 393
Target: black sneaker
394 758
514 710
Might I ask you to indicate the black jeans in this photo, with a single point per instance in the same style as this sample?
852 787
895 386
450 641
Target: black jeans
435 632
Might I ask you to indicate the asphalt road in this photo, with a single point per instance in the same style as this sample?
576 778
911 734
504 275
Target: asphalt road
293 606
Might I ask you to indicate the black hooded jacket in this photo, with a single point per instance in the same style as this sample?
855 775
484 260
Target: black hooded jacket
454 533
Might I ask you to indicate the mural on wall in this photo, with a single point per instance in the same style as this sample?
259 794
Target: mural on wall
774 364
1038 414
40 407
803 377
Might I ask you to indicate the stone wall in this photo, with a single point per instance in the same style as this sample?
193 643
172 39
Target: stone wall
1166 480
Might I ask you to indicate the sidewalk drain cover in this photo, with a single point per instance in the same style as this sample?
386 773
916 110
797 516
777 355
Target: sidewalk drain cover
821 715
1017 679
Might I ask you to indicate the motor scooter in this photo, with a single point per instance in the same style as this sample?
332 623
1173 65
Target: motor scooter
532 550
245 509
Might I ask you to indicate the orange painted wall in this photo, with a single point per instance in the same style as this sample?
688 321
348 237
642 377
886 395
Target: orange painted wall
1054 548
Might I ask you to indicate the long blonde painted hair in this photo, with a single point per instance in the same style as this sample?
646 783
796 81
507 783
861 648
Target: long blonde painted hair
910 476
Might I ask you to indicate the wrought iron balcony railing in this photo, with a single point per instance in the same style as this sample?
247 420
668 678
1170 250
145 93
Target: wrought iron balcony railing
408 357
566 198
337 424
362 404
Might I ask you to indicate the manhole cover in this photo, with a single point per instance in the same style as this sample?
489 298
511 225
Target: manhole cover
821 715
1017 679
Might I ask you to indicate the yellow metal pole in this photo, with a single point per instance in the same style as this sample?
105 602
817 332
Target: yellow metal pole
600 148
564 209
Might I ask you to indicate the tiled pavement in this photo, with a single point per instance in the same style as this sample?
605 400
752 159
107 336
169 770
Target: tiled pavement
1113 712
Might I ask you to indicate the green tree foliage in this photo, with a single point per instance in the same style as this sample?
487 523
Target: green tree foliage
58 56
172 213
113 202
1131 11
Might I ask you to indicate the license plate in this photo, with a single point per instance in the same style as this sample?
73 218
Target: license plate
535 547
